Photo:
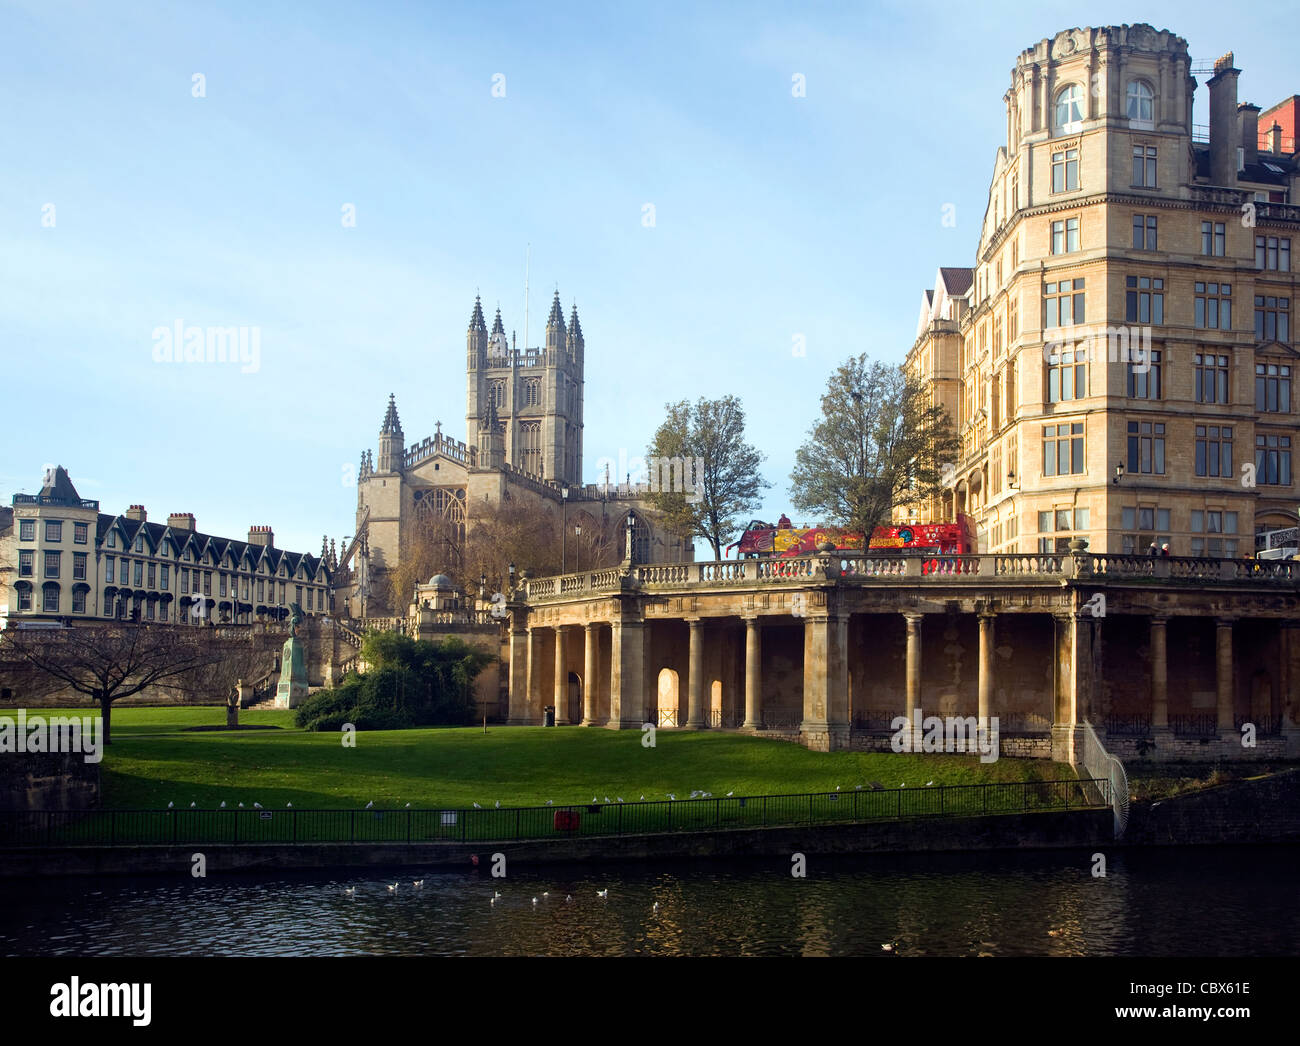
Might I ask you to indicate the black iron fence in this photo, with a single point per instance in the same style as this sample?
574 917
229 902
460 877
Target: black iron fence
194 827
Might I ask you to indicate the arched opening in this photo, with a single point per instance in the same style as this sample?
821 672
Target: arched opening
575 698
716 717
669 694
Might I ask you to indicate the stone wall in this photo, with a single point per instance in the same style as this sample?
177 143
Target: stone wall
48 781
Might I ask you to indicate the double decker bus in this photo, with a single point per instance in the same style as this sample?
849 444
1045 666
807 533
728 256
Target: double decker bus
938 539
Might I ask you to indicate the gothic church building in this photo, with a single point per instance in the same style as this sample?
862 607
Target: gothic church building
524 431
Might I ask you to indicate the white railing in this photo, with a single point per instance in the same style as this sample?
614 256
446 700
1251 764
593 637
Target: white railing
1100 765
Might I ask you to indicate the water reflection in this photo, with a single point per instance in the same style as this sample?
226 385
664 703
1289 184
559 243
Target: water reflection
1155 902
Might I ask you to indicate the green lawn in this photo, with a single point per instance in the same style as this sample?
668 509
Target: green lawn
415 778
153 760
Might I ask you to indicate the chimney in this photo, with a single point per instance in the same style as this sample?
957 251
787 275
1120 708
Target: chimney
1249 117
1224 139
137 513
182 521
1275 139
261 536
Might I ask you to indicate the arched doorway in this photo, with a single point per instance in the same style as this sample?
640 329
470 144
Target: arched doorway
669 694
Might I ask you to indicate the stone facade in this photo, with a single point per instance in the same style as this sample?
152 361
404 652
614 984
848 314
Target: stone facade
1110 212
524 419
1194 658
62 560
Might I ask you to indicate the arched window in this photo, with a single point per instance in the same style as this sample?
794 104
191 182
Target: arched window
1140 102
532 393
1069 107
640 538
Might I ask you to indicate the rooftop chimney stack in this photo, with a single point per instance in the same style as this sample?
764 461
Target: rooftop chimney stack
1249 116
261 536
182 521
137 513
1224 136
1275 139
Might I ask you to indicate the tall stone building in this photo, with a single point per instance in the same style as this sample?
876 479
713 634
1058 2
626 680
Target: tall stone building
1120 367
524 444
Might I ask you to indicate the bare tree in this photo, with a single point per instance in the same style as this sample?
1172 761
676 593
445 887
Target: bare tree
731 483
110 662
878 446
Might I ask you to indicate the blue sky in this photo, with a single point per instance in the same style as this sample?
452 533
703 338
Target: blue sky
775 216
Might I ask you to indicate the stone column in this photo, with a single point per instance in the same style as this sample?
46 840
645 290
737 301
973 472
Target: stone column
1223 663
695 679
534 700
1159 674
986 665
561 677
590 659
913 663
825 683
753 675
626 674
518 714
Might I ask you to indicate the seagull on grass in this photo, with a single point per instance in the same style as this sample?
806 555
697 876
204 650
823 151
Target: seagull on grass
223 805
418 884
620 798
370 804
568 898
241 806
534 902
477 807
671 797
929 784
603 893
498 806
257 806
288 806
496 895
730 794
170 805
407 806
351 891
550 802
193 805
393 888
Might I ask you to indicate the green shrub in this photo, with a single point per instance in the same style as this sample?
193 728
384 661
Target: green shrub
410 683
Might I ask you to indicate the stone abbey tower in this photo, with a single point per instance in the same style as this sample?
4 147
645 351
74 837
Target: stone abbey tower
524 445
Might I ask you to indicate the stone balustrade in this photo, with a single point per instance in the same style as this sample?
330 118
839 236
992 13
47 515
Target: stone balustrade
848 566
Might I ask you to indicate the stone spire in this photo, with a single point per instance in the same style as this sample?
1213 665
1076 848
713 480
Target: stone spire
391 440
575 332
391 426
555 335
476 318
497 328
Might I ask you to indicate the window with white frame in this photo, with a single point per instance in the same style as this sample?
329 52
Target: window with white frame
1140 99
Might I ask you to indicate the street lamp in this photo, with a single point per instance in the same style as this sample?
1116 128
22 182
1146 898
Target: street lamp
577 546
564 525
1011 481
511 571
1119 471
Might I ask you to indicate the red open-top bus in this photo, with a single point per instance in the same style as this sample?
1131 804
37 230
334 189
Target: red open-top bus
946 539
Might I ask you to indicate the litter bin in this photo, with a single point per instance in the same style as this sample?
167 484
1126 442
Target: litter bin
549 715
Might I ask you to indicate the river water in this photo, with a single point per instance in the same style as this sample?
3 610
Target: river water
1174 902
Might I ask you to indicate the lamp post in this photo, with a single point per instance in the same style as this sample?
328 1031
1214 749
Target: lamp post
577 547
1119 471
511 571
564 525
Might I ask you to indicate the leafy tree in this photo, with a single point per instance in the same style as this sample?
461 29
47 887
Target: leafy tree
409 682
110 662
731 484
879 445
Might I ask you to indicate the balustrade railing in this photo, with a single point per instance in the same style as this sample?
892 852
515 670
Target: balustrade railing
869 567
1204 724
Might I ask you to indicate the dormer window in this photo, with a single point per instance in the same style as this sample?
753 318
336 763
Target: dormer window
1141 103
1069 109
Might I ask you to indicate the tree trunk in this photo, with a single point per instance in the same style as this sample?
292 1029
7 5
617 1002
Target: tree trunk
106 712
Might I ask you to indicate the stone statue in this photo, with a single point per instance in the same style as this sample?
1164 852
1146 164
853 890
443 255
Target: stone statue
292 688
